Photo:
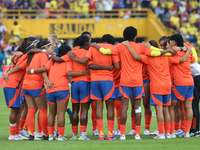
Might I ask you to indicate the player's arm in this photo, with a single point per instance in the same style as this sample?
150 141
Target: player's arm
81 60
98 67
185 56
38 70
13 70
101 49
36 51
133 53
49 83
77 74
57 59
16 54
117 65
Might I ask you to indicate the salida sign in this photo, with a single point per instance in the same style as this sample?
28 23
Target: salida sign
73 28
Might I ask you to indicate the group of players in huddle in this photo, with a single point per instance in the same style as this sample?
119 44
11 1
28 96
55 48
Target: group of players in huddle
101 72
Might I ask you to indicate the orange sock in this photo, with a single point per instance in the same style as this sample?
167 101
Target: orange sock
93 116
183 125
194 120
177 126
133 123
123 129
147 121
39 130
12 129
118 106
17 129
137 130
161 127
21 123
110 127
83 128
50 130
31 120
61 131
100 126
26 126
187 126
75 129
43 121
172 128
167 127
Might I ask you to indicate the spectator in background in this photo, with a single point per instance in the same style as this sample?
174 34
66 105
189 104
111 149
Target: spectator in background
167 17
34 7
39 38
100 8
146 3
108 4
154 4
85 9
198 14
183 30
41 4
77 8
170 4
193 4
2 62
66 5
159 11
92 4
2 30
53 7
192 17
128 4
16 29
175 22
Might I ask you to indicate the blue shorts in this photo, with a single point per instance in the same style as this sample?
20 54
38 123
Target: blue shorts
102 90
80 92
57 96
23 99
12 97
126 91
34 93
182 92
156 99
145 82
116 94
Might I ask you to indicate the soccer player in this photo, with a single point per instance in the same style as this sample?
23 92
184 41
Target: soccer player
102 86
58 91
80 89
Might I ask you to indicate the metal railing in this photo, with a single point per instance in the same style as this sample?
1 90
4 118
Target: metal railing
67 13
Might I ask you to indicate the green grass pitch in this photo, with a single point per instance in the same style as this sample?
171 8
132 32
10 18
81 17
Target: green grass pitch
94 144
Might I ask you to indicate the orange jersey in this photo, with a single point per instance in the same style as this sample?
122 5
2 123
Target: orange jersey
160 81
98 58
116 73
35 80
77 67
131 69
17 77
57 73
145 72
181 74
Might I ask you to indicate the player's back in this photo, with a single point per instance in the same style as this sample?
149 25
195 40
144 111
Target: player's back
159 75
131 69
58 75
77 67
16 77
181 72
35 80
103 60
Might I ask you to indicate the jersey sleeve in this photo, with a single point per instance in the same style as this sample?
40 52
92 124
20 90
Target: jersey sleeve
174 59
115 49
48 65
23 65
115 58
89 53
65 58
69 66
144 59
44 59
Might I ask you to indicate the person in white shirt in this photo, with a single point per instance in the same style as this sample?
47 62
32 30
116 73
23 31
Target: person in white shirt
2 30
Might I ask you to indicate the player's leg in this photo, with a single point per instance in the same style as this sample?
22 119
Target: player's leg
118 106
166 104
110 118
147 108
99 117
137 108
23 119
51 118
94 122
172 117
41 103
177 118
